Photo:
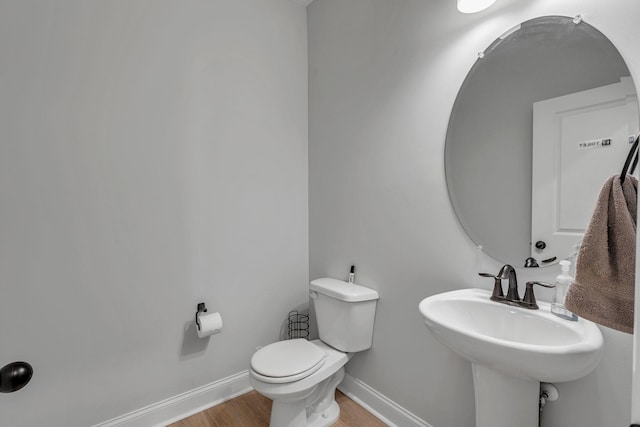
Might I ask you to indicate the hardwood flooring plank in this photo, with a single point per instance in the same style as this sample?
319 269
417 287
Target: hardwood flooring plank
353 414
197 420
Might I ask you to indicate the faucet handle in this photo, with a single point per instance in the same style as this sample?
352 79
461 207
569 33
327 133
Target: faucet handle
529 300
497 294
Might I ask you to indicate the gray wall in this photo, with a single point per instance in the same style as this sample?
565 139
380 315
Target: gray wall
383 79
153 155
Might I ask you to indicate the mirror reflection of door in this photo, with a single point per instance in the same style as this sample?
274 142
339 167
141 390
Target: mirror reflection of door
579 140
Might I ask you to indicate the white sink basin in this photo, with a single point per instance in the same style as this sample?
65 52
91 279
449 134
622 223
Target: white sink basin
528 344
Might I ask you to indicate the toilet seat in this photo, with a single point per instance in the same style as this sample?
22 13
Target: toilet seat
287 361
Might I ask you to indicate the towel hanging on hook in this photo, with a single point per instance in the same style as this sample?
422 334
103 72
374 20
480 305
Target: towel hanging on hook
633 154
603 290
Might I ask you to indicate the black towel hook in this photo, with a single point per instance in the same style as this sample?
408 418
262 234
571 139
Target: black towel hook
633 154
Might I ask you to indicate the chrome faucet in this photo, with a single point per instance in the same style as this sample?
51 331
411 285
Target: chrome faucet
513 298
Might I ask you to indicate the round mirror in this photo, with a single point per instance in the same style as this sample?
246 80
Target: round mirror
543 118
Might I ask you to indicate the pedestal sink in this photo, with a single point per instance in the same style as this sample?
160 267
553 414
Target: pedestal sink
512 350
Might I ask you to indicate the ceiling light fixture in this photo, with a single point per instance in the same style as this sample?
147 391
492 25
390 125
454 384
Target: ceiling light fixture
473 6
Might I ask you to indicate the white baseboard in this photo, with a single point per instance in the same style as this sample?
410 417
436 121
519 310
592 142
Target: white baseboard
185 404
191 402
379 405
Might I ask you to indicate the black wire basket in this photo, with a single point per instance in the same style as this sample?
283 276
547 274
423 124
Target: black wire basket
298 325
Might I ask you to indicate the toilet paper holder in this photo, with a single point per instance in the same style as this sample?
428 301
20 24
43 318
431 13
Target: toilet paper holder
202 308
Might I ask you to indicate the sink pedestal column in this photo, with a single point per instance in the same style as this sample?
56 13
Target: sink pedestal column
503 400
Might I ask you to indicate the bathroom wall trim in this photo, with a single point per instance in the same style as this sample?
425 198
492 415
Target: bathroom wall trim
199 399
185 404
379 405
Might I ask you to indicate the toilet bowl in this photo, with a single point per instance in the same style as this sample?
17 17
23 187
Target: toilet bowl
305 395
301 376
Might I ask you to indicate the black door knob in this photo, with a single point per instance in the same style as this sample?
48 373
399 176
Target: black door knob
540 245
14 376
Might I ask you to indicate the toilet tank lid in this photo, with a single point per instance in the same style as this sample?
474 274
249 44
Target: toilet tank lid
342 290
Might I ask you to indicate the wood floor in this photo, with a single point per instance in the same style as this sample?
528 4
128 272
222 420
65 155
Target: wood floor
253 410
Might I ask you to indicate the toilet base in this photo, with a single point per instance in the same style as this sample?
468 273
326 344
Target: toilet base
288 414
293 414
318 409
325 418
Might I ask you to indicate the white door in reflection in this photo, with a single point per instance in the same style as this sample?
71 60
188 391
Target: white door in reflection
579 140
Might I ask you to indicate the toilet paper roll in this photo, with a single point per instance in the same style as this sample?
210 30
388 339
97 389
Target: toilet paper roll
210 323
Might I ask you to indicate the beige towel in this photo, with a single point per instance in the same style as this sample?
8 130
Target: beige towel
605 270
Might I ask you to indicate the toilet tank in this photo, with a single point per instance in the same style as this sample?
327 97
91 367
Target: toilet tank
345 313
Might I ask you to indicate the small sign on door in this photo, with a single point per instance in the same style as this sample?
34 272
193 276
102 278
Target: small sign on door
596 143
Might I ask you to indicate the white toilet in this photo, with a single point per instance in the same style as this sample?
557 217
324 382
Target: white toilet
301 376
